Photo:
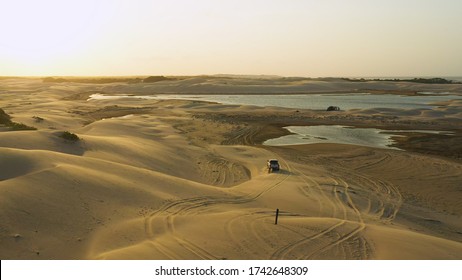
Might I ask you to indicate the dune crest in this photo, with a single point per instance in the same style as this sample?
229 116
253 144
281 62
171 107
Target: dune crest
179 179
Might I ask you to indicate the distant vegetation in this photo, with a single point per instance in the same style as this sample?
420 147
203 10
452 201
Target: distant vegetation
5 120
6 77
154 79
54 80
38 119
4 117
90 80
20 126
69 136
415 80
95 80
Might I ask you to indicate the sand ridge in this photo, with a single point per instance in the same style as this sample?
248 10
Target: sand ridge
175 179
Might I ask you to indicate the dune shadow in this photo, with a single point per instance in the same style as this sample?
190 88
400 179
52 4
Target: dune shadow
67 146
15 166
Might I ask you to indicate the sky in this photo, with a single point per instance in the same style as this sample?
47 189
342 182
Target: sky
324 38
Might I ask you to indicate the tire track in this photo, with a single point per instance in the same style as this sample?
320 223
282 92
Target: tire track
338 182
284 251
341 240
185 207
247 222
189 246
387 194
347 200
305 179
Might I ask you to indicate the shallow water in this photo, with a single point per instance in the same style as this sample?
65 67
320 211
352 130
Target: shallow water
337 134
370 137
345 101
433 93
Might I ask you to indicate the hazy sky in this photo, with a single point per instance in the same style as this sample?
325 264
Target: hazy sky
278 37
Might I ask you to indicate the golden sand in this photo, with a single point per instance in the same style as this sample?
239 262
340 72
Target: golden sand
153 179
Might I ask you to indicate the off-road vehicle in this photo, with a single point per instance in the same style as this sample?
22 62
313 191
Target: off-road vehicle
273 165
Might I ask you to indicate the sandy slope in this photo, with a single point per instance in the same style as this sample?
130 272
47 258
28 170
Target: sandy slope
268 85
151 180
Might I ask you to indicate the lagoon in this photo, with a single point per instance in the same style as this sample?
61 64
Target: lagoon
370 137
345 101
338 134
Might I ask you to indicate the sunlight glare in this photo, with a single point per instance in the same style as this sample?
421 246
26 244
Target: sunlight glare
37 34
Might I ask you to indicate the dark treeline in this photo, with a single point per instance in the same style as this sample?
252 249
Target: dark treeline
415 80
150 79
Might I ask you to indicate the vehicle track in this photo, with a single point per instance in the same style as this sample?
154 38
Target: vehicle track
307 190
386 196
186 206
343 200
282 252
341 205
222 172
342 239
240 227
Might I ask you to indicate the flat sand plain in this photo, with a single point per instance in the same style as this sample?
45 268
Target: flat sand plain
171 179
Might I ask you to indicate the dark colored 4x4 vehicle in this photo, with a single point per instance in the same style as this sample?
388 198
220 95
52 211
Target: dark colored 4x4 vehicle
273 165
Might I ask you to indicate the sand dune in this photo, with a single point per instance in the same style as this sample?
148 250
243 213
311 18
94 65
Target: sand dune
154 179
209 85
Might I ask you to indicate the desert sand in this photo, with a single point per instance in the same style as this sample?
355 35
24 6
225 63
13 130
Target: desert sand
176 179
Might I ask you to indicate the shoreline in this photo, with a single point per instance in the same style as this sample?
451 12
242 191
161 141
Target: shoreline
440 145
177 179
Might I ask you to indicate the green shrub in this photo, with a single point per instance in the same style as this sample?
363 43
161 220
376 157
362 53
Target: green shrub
20 126
38 119
69 136
4 117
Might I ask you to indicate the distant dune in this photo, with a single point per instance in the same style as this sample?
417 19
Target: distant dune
271 85
263 84
179 179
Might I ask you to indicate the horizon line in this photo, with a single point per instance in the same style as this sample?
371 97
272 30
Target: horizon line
231 75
